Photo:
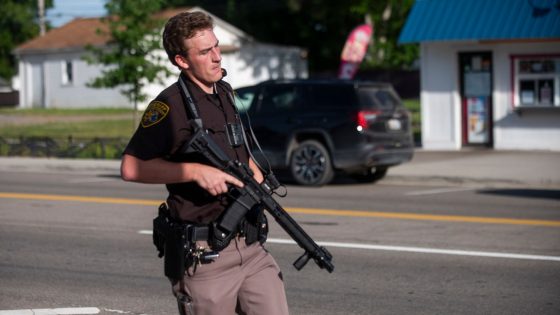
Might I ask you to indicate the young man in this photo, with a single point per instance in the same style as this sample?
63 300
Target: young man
244 277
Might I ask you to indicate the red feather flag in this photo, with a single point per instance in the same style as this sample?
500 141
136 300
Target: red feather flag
354 51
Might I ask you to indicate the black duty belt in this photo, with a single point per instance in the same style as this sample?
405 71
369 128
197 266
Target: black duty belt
169 226
195 233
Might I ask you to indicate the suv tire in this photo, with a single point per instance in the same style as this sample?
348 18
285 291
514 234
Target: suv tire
310 164
371 175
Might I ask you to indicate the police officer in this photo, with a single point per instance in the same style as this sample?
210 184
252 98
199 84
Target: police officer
244 277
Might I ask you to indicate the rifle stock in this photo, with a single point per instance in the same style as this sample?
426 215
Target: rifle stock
253 193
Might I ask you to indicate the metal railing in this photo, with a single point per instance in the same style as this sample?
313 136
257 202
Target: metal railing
96 148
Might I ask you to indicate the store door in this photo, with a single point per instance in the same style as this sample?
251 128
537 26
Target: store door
476 98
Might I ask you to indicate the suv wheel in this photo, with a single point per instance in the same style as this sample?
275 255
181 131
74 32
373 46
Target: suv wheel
311 165
371 175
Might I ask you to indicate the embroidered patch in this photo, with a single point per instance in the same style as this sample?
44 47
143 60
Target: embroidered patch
155 113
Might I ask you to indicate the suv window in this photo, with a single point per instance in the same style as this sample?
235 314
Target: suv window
244 98
280 98
333 96
374 98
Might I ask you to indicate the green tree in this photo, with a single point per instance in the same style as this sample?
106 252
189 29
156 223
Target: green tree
18 23
388 18
320 26
129 59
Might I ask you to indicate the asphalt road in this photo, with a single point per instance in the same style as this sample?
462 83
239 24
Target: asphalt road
408 249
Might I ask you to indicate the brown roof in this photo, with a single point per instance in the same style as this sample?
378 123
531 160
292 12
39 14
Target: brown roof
83 31
75 34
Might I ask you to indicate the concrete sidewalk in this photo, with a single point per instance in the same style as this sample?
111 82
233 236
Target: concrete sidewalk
481 168
55 165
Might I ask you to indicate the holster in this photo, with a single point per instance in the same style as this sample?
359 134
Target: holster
161 229
170 239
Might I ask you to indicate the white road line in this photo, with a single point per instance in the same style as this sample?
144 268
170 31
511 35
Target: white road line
90 180
422 250
426 250
437 191
53 311
120 312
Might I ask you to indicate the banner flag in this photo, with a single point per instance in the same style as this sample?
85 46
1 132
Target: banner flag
354 51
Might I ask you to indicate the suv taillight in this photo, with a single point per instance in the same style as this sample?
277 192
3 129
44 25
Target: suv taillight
365 117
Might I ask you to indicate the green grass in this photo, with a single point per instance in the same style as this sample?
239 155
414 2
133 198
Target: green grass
413 105
76 133
84 129
64 112
87 123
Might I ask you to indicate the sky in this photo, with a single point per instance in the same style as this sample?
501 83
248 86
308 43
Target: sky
64 11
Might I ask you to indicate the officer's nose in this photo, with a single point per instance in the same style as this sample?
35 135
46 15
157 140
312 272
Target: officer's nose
216 54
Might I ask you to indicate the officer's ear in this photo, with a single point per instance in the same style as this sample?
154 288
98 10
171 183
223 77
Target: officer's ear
181 61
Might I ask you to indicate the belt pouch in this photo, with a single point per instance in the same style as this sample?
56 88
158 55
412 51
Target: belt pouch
255 226
175 254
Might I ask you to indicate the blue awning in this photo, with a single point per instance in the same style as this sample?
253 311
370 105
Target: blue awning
460 20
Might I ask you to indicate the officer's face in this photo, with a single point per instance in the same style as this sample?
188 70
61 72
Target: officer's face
203 59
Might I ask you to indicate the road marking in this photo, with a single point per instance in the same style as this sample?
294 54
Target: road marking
437 191
91 180
425 250
53 311
425 217
143 202
120 312
329 212
422 250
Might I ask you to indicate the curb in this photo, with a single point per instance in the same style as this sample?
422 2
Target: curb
413 173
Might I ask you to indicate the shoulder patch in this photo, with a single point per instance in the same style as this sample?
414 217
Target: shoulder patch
155 113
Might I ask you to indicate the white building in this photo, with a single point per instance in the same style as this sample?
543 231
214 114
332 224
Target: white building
490 73
53 73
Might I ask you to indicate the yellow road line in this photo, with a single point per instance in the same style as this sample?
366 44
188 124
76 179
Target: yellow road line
428 217
144 202
329 212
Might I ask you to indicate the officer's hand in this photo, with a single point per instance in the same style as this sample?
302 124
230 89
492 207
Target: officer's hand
213 180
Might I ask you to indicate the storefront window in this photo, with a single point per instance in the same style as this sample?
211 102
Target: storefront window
536 81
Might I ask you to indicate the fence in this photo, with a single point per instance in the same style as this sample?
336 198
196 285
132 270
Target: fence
97 148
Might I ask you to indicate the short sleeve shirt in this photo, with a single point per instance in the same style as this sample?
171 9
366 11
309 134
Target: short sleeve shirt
166 125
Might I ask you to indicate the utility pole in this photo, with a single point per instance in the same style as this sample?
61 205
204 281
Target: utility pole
42 26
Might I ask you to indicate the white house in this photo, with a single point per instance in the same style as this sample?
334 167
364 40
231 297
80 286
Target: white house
490 73
53 73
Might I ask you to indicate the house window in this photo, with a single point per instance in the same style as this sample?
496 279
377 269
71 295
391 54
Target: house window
536 81
67 73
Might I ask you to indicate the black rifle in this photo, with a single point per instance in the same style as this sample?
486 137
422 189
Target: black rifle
253 195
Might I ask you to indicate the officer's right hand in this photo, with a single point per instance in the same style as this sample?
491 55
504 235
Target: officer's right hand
213 180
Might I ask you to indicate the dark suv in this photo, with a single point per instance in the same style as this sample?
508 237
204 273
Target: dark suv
314 128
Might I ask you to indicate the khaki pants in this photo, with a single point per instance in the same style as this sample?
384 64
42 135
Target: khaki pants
243 278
